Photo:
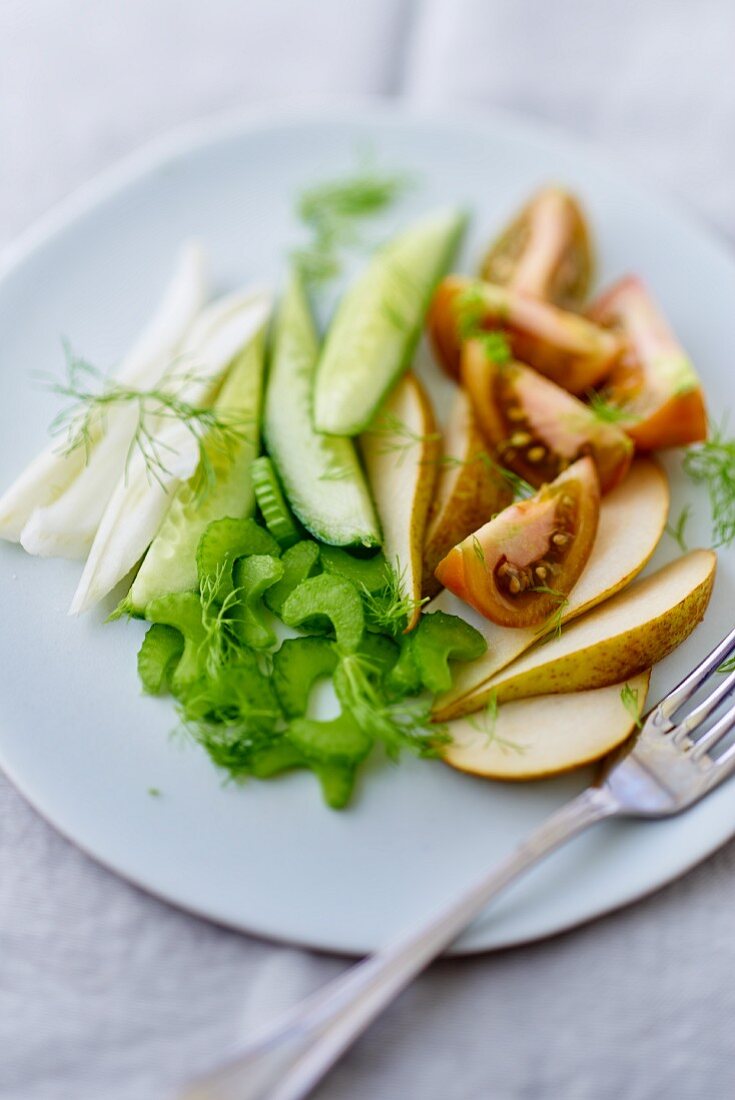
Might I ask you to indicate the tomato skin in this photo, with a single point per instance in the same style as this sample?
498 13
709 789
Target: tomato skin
565 347
545 251
511 400
518 547
468 491
654 380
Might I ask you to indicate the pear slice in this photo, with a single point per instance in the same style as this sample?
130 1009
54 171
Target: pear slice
401 454
638 508
624 636
469 490
540 737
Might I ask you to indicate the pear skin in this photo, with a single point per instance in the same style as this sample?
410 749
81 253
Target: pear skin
401 453
639 507
626 635
547 735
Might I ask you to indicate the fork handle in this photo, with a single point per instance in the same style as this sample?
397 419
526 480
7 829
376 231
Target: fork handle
287 1059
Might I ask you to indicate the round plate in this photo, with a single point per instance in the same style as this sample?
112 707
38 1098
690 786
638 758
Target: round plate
75 734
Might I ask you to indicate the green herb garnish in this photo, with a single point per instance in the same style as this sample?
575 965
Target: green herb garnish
606 410
712 463
676 530
630 700
333 212
486 723
92 394
398 438
553 625
727 666
389 609
496 347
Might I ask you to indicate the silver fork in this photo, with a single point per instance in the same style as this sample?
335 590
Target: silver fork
663 769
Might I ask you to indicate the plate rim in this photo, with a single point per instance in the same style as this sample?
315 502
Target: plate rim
194 137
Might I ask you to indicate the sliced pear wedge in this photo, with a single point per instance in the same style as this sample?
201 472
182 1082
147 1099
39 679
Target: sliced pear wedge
469 490
541 737
638 508
401 453
627 634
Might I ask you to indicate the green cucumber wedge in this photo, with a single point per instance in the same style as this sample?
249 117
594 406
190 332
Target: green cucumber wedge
321 475
170 564
375 330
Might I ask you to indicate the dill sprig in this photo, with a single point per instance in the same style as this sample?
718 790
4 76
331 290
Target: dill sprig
335 473
398 438
486 723
471 315
91 394
630 699
496 347
220 644
712 464
677 530
606 410
404 292
390 609
332 212
406 724
553 625
469 311
522 489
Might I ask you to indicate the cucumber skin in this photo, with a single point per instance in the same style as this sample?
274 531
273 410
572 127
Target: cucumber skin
339 512
367 347
170 564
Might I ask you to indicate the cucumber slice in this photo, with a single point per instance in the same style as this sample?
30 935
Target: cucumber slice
269 495
170 564
321 476
377 325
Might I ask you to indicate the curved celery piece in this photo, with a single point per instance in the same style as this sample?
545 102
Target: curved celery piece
440 638
252 576
332 598
183 611
333 750
369 573
381 652
224 541
273 759
276 513
404 678
297 666
299 562
158 656
236 706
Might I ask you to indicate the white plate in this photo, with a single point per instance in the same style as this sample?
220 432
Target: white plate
75 734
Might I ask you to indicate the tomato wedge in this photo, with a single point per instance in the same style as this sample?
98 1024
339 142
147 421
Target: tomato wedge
520 567
545 251
569 349
655 382
537 428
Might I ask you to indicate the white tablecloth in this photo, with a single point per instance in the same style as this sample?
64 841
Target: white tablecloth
107 994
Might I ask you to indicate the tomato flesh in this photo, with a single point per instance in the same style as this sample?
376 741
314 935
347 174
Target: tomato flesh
563 346
537 428
545 251
654 382
519 568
